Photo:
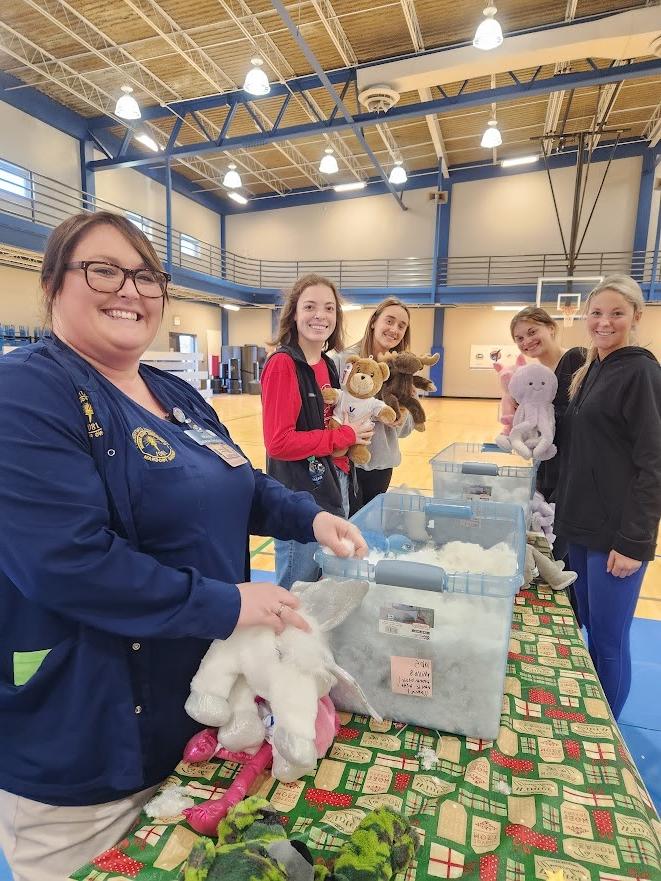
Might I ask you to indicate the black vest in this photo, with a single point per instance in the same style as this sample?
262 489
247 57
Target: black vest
298 475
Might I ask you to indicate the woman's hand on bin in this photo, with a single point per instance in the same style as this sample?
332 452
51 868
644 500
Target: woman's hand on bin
340 536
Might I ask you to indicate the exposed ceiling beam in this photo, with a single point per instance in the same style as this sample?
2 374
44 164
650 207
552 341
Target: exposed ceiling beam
168 29
316 66
411 17
653 128
556 99
75 25
457 104
252 28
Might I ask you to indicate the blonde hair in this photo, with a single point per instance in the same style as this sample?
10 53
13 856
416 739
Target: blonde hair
367 341
630 290
535 315
287 332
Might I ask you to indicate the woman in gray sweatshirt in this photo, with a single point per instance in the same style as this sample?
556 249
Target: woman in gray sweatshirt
388 330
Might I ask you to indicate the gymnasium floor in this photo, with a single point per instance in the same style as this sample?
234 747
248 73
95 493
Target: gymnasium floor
474 422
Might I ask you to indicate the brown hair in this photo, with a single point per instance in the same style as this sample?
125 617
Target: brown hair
64 238
632 293
367 342
287 331
536 315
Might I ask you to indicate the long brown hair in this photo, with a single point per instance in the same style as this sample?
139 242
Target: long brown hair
367 342
64 238
535 315
287 331
632 293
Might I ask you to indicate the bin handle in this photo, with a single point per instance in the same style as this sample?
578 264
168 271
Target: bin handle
488 469
402 573
445 509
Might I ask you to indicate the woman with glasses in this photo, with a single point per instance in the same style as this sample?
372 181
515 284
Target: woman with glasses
126 510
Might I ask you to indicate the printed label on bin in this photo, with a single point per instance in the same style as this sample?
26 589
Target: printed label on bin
411 676
413 622
477 491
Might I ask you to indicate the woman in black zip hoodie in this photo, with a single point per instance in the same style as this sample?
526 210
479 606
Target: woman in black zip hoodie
609 494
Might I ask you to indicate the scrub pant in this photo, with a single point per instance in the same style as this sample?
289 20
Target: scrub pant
606 605
295 561
373 483
48 843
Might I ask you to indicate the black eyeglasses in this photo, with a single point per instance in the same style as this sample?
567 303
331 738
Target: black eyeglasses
107 278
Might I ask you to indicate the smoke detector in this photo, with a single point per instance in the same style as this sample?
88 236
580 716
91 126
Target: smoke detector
378 99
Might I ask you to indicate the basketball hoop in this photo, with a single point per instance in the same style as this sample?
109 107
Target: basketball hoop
569 312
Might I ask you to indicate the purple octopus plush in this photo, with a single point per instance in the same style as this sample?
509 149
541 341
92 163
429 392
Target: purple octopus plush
533 387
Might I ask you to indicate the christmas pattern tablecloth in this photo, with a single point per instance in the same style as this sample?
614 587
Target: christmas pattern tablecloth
557 794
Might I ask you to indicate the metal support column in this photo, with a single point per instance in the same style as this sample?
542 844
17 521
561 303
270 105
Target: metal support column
643 214
168 216
87 182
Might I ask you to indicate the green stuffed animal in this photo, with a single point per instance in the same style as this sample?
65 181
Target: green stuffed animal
252 846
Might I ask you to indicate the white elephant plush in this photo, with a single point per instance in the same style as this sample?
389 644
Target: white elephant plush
291 671
534 388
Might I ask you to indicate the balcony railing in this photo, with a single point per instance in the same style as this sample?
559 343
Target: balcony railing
43 200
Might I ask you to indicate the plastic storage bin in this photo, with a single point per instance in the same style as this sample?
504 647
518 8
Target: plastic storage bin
484 472
429 647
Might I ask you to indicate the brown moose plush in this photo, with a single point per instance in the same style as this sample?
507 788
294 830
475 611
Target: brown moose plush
399 389
358 400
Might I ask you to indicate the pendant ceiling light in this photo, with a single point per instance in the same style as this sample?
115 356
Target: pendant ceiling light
492 136
232 179
398 174
489 34
256 81
127 107
328 164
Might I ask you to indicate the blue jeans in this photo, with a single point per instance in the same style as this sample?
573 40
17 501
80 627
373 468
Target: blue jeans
606 605
295 561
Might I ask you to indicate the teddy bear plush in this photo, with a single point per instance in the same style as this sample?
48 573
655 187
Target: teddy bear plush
534 388
357 399
291 671
507 407
252 845
399 388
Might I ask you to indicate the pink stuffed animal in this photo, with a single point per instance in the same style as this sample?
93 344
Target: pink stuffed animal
507 404
534 388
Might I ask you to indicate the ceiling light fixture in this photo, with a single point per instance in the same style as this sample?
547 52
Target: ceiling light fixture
237 197
492 136
256 81
127 107
346 188
519 160
230 307
232 179
148 142
489 34
398 174
328 164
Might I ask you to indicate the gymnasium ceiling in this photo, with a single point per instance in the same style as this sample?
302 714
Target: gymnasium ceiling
81 52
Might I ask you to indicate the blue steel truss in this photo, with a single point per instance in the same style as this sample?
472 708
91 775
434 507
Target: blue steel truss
517 88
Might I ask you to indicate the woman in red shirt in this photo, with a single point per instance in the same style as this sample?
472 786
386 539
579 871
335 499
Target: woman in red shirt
300 446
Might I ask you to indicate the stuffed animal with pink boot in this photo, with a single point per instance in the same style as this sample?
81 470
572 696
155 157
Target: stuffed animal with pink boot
507 407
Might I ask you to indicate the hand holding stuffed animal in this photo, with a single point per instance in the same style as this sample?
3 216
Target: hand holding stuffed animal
534 388
507 403
292 671
357 400
399 388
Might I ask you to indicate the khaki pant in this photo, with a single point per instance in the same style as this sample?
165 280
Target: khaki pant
47 843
